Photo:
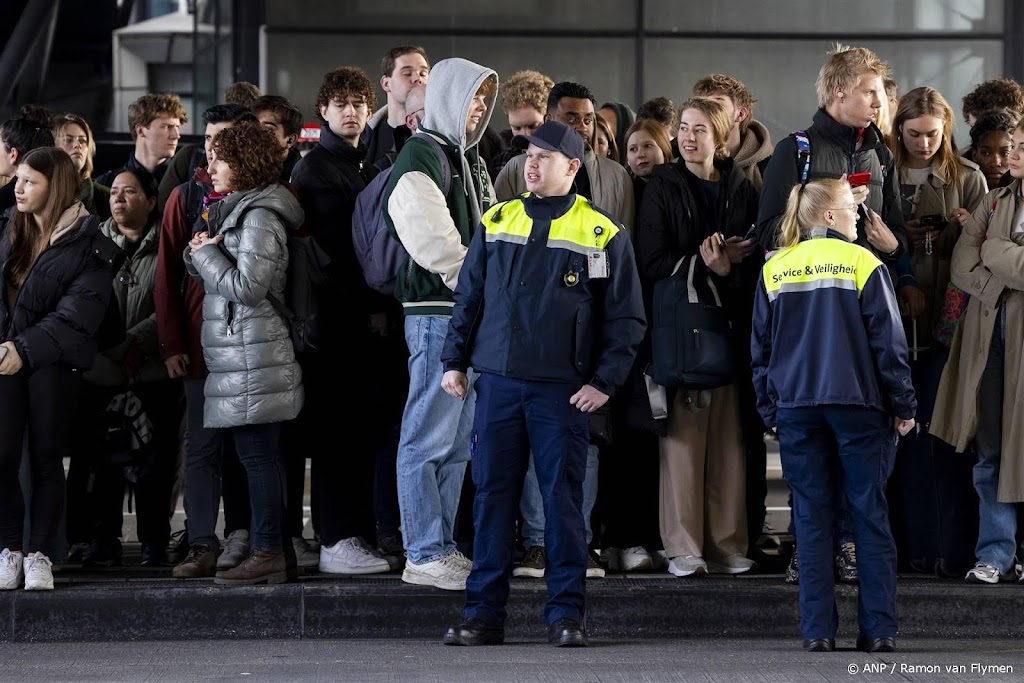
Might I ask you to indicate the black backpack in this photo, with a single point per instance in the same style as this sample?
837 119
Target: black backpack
307 273
691 334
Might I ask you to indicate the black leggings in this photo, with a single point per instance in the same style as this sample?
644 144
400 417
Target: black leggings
43 403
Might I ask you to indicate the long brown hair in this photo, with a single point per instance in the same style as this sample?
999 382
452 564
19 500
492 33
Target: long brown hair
61 122
925 101
28 239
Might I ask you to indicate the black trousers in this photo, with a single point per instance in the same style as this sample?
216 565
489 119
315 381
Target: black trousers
41 403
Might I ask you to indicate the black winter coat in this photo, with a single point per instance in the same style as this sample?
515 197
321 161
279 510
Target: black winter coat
669 225
834 152
61 306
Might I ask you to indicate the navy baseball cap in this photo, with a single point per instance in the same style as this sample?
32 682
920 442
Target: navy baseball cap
553 136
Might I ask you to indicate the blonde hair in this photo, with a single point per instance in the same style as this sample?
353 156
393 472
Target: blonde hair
843 68
526 89
60 124
925 101
805 206
720 123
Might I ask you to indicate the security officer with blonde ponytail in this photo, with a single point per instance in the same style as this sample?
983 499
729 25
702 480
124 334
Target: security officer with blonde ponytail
831 374
549 313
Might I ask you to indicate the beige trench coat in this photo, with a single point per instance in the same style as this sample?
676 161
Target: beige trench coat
988 264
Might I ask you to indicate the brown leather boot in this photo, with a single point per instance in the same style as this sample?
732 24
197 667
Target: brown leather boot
259 567
200 562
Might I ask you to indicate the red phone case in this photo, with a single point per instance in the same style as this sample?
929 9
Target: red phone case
858 179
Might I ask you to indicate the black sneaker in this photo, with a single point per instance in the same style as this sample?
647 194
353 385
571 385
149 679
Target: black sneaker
793 570
594 568
846 563
153 555
103 554
532 565
178 548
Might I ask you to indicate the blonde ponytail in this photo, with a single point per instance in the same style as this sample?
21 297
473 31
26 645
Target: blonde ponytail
789 229
805 206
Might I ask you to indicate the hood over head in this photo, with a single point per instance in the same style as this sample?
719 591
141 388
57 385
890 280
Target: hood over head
452 86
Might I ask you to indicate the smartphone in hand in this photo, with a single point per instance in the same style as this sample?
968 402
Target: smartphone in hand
859 179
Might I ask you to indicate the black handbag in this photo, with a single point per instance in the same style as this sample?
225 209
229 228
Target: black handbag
692 340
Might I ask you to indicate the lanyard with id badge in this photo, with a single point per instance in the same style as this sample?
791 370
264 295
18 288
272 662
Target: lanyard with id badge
597 258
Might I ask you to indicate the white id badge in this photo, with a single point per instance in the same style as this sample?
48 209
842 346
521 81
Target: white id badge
597 263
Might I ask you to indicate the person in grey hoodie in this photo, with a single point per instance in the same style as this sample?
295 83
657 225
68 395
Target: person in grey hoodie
255 383
436 230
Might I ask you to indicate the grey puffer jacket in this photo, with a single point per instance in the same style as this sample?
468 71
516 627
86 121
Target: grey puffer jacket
254 378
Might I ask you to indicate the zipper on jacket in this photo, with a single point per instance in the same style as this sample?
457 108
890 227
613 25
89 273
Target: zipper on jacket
696 339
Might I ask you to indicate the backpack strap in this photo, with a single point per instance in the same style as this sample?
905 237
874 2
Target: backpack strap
446 169
803 147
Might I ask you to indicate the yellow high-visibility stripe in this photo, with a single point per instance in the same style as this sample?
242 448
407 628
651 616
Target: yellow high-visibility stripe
817 264
580 229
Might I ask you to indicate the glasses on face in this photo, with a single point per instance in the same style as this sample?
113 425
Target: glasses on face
852 208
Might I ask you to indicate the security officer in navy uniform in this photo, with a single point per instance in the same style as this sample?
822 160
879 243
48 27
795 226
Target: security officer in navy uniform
549 312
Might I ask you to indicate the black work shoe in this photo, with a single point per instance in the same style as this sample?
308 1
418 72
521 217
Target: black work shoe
876 644
474 632
153 555
819 644
567 633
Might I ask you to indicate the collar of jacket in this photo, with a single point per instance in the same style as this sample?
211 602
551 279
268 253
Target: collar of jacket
547 208
149 240
339 148
846 136
820 232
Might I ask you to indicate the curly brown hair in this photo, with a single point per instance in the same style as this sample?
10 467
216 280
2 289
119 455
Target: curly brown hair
151 106
347 81
997 93
526 89
252 152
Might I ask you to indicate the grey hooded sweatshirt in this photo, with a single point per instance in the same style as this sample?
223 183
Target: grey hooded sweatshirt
436 229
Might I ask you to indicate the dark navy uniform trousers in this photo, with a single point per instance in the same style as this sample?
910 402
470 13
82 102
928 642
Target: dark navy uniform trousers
512 418
818 445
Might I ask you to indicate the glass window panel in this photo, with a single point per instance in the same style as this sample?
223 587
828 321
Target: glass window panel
781 74
296 64
815 16
482 14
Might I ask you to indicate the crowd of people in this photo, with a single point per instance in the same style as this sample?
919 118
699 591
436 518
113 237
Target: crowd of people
503 420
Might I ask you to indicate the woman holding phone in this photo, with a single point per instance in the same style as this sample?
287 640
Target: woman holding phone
255 383
56 270
703 204
929 489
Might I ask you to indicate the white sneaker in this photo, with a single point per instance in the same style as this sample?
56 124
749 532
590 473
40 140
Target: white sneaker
12 570
351 556
636 559
38 572
236 549
734 564
459 557
307 555
687 565
448 573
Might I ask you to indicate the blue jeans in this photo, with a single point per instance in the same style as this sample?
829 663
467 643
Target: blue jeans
434 446
997 530
259 449
204 454
514 416
864 456
531 505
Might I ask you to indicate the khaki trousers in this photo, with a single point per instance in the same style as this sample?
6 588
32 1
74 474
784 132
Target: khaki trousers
703 475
